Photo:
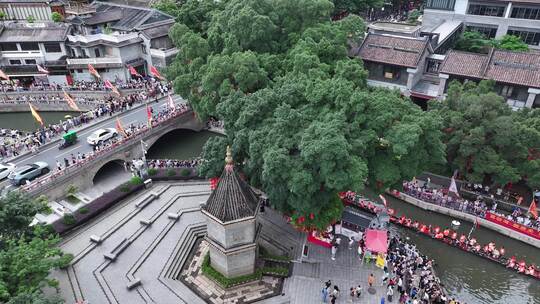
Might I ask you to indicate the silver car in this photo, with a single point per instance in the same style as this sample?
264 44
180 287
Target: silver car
6 169
28 172
101 135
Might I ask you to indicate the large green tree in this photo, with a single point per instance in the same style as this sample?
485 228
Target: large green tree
485 139
299 116
25 264
16 213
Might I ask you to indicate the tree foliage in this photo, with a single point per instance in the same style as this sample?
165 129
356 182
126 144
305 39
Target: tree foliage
25 265
17 211
485 139
355 6
511 43
302 123
476 42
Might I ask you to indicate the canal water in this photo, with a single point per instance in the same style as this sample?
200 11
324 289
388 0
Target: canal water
468 278
25 122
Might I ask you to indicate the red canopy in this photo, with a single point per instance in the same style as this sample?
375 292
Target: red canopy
376 240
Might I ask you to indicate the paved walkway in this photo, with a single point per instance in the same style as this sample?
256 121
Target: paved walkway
134 252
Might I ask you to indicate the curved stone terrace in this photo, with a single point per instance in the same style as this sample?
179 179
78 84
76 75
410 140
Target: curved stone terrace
135 251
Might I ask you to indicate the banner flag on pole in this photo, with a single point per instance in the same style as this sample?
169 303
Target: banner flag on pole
383 200
133 72
149 116
42 69
35 114
119 127
70 101
3 75
93 71
109 85
155 72
171 103
533 210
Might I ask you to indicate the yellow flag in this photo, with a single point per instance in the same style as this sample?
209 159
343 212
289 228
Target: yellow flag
35 114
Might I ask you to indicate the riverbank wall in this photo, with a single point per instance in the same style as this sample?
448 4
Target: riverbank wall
466 217
43 107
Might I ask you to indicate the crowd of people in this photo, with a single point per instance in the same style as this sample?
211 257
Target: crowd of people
478 207
77 85
14 142
131 130
173 163
409 275
214 123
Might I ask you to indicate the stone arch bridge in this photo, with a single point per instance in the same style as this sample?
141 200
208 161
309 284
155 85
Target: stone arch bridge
81 175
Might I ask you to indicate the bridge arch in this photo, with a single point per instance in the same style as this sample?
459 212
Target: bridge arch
177 138
110 175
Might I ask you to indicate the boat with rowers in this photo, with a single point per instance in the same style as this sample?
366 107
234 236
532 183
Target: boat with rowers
447 236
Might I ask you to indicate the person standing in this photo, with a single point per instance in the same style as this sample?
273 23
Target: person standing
390 293
334 251
324 294
371 279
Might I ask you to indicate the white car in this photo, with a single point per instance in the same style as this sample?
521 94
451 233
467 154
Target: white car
6 169
101 135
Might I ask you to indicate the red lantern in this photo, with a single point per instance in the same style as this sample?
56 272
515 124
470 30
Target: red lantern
437 229
462 238
446 232
301 219
311 216
454 235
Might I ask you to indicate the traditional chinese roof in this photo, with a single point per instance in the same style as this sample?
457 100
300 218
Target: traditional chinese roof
520 68
394 50
126 18
233 199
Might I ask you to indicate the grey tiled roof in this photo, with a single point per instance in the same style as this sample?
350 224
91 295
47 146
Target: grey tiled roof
233 199
126 18
395 50
34 32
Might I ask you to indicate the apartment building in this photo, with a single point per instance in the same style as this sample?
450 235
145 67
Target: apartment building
106 35
494 18
110 36
24 45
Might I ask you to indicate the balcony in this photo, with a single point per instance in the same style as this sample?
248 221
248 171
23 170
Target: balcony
163 53
102 38
100 62
22 54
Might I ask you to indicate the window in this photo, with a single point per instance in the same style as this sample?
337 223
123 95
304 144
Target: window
530 38
143 48
525 13
79 70
441 4
9 47
486 10
390 72
30 61
96 51
52 47
14 61
29 46
489 32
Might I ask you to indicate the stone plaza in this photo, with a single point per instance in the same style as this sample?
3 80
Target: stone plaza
136 251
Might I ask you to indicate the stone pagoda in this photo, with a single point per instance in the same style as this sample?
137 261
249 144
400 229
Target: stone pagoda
230 215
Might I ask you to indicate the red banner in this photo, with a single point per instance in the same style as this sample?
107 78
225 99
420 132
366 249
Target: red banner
513 225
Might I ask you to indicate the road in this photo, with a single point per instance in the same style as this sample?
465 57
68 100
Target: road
52 153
